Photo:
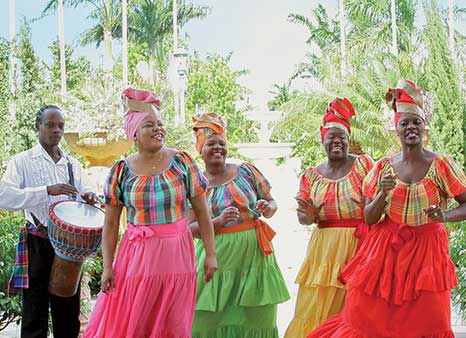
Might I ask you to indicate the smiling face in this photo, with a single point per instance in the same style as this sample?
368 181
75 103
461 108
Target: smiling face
151 133
215 149
410 129
336 143
50 126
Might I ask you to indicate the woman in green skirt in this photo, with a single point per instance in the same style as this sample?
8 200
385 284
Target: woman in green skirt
241 300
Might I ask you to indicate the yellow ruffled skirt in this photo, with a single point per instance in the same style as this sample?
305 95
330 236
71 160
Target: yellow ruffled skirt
321 294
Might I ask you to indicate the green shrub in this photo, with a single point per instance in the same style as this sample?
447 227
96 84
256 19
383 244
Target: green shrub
10 307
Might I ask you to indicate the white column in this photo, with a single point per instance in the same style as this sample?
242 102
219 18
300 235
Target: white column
61 37
124 38
12 70
175 46
175 25
108 39
451 29
342 37
394 28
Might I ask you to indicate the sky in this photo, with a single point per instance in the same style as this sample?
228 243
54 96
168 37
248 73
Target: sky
257 32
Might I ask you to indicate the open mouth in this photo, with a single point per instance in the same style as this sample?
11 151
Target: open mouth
336 148
158 136
411 135
217 153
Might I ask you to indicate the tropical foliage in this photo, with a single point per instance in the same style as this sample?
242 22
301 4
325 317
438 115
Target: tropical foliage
10 307
213 86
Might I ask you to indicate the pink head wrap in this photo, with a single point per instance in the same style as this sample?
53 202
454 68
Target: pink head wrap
137 104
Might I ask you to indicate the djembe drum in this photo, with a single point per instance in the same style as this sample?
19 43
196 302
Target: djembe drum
75 231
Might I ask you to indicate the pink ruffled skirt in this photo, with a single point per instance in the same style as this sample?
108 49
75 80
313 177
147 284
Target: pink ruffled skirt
155 286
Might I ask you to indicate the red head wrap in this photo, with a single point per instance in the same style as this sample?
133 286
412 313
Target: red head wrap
338 114
406 98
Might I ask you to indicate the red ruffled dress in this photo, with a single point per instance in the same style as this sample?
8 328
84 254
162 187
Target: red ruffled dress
399 282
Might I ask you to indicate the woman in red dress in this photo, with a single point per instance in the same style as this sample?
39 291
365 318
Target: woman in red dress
399 282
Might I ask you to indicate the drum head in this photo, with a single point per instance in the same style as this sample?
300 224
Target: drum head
79 214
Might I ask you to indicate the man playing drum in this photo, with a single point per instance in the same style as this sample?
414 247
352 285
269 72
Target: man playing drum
34 179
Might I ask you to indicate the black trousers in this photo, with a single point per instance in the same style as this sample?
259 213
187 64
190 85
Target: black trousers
36 299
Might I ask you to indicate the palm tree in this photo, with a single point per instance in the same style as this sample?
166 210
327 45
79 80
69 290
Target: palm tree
61 38
342 20
151 28
374 22
451 29
12 29
108 16
124 40
325 33
394 30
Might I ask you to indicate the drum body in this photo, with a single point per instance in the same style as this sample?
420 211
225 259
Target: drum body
75 231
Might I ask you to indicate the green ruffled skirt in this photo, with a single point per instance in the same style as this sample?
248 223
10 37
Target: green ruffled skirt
241 300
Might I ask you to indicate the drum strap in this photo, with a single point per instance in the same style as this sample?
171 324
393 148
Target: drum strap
39 226
70 172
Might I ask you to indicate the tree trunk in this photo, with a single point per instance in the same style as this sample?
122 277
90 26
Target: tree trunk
394 28
342 37
175 25
124 40
108 49
61 38
12 70
153 72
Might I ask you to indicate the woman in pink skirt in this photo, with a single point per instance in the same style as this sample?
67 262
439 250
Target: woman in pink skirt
149 290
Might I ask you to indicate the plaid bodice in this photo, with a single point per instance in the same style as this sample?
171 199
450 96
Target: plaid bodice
156 199
444 179
342 198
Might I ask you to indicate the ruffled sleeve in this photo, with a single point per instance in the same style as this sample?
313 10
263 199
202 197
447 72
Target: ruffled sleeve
195 181
260 183
364 165
113 194
450 176
305 185
371 184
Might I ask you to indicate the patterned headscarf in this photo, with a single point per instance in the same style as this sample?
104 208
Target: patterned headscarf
205 125
338 114
137 104
406 98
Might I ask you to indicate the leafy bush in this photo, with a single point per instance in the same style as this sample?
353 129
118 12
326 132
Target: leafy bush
458 254
10 307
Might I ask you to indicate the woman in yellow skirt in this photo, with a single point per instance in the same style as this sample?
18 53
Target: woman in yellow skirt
330 196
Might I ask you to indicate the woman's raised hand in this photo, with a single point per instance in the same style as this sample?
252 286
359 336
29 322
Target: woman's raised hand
309 208
388 183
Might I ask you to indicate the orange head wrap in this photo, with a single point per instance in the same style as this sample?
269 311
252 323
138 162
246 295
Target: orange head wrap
338 114
406 98
205 125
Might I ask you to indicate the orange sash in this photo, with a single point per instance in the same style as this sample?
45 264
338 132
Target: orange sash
264 233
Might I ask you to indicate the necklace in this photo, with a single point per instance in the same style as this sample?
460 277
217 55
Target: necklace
154 164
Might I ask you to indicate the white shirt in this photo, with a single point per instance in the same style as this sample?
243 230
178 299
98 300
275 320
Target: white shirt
24 184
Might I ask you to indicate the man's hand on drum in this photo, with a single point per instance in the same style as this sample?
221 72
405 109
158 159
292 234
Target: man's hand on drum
90 198
62 189
107 282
